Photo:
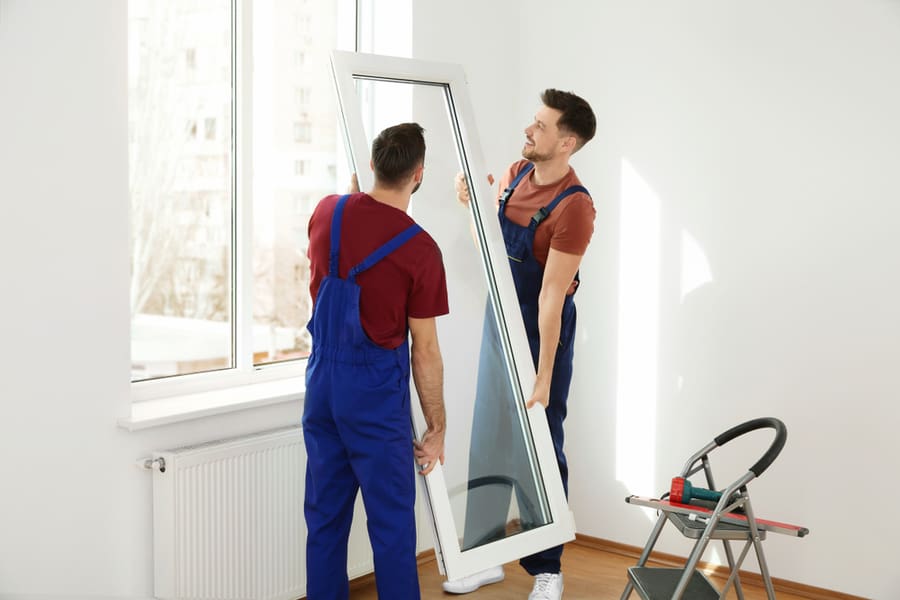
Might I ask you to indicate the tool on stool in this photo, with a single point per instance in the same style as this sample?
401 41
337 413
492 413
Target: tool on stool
682 492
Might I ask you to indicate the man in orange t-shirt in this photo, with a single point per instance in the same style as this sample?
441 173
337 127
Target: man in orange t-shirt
547 219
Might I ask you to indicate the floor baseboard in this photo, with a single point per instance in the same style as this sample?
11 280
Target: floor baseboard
667 560
672 560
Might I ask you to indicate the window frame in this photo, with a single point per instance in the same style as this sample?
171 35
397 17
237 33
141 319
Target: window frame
452 560
192 395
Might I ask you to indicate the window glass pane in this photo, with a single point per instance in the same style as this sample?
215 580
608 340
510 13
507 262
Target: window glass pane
296 144
180 180
491 469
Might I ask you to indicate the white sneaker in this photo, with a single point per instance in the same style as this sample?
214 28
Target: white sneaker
547 586
464 585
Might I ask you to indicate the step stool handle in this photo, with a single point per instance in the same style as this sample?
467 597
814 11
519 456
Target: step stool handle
774 450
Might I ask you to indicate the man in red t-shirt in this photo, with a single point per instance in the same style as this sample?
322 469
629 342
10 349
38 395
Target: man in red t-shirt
376 278
547 219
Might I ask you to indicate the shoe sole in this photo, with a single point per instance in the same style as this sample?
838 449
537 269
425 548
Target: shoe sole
473 587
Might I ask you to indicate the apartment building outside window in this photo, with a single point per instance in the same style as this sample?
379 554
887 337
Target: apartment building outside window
216 144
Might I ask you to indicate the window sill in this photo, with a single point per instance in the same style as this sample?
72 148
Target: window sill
185 407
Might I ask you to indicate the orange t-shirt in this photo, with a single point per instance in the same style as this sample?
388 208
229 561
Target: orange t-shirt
567 229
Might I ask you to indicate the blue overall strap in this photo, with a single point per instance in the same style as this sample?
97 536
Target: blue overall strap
336 236
542 214
512 186
391 245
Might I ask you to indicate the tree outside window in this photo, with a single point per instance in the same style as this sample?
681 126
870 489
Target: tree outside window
185 184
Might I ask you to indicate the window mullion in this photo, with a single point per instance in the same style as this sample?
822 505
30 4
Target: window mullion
242 118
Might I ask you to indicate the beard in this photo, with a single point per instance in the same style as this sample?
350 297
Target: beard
531 153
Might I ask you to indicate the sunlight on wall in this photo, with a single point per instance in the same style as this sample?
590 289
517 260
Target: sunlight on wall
716 556
639 256
695 269
695 273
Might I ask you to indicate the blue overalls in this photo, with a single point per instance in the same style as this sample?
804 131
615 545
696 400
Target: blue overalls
498 452
357 430
528 275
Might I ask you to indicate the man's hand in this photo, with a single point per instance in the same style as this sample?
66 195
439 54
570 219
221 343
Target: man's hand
462 188
429 451
540 395
353 188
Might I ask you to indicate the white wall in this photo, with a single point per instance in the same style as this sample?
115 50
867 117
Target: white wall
768 132
75 513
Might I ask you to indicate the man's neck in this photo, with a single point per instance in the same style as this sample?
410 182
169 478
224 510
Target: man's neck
399 199
550 171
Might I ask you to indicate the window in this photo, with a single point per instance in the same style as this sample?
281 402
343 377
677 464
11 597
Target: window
508 501
210 128
303 132
303 96
210 90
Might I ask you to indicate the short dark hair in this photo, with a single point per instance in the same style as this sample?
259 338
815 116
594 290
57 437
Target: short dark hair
396 153
577 117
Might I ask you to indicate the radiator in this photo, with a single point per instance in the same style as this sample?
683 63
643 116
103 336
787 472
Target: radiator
228 520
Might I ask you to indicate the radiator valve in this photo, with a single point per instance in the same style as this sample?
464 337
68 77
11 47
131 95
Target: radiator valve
148 463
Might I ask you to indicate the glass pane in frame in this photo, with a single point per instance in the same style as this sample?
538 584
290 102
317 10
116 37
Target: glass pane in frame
181 170
295 153
499 496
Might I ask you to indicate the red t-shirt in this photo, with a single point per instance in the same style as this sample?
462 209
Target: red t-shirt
409 282
568 228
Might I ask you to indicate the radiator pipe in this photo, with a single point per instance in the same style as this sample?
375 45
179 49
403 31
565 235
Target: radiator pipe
148 463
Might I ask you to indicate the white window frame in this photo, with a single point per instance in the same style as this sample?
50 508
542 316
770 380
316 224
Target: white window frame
177 398
453 561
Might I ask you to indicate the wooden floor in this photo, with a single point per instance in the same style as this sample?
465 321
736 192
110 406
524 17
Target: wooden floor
589 574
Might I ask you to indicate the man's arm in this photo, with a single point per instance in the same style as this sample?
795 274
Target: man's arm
559 272
428 375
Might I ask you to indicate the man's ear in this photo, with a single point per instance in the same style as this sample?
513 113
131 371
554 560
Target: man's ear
371 165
